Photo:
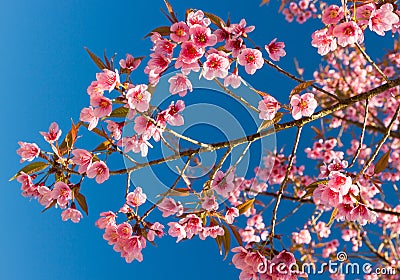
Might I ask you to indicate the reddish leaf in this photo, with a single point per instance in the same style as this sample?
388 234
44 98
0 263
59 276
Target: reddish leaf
236 234
82 202
333 215
215 19
96 60
297 89
70 138
171 11
245 206
227 241
162 30
382 163
103 146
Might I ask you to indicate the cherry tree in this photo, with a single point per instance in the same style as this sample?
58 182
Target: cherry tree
356 148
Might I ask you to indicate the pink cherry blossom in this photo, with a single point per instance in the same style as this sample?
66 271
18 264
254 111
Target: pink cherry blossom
234 80
94 89
114 128
212 231
363 13
363 215
108 80
303 105
28 151
231 214
139 98
172 115
82 158
179 32
322 230
210 204
176 230
197 17
130 63
251 59
124 230
53 134
136 198
103 104
111 234
216 66
44 197
268 107
132 248
192 225
27 186
240 29
179 84
235 45
381 20
222 183
62 193
87 115
71 214
106 219
302 237
99 170
202 36
348 33
190 53
275 50
339 182
155 229
332 14
148 129
324 41
169 207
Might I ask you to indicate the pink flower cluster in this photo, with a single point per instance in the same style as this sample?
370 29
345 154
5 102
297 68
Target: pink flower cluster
302 11
93 169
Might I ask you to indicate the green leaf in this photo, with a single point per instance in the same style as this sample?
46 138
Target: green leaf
31 168
82 202
96 60
245 206
162 30
382 163
119 112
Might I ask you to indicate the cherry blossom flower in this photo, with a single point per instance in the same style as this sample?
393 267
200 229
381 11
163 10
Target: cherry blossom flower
240 29
169 207
363 13
381 20
133 248
82 158
234 80
103 104
222 183
192 225
302 237
275 50
99 170
71 214
115 129
136 198
44 197
303 105
53 134
216 66
231 214
176 230
235 45
324 41
197 17
27 186
210 204
363 215
179 84
190 53
332 14
108 80
212 231
172 115
155 229
28 151
106 219
139 98
87 115
62 193
251 59
130 63
348 33
268 107
179 32
148 129
94 89
124 230
202 36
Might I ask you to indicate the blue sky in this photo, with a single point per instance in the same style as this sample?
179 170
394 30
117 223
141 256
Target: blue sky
45 72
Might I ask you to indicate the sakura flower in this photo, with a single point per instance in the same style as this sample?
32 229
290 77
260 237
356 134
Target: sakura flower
251 59
108 80
124 230
114 128
363 215
231 214
179 32
240 29
190 52
106 219
94 89
139 98
339 182
332 14
103 104
233 80
303 105
99 170
302 237
111 234
169 207
202 36
172 115
53 134
82 158
275 50
222 183
148 129
363 13
27 186
186 68
62 193
381 20
210 204
324 41
155 229
136 198
130 63
176 230
268 107
216 66
192 225
348 33
162 46
28 151
44 197
235 45
133 248
71 214
179 84
197 17
322 230
87 115
212 231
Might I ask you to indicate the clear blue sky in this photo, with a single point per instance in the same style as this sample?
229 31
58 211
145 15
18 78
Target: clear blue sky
44 75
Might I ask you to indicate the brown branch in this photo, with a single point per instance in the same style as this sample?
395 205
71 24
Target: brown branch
362 135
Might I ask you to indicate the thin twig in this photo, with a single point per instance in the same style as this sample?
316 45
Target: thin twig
362 134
